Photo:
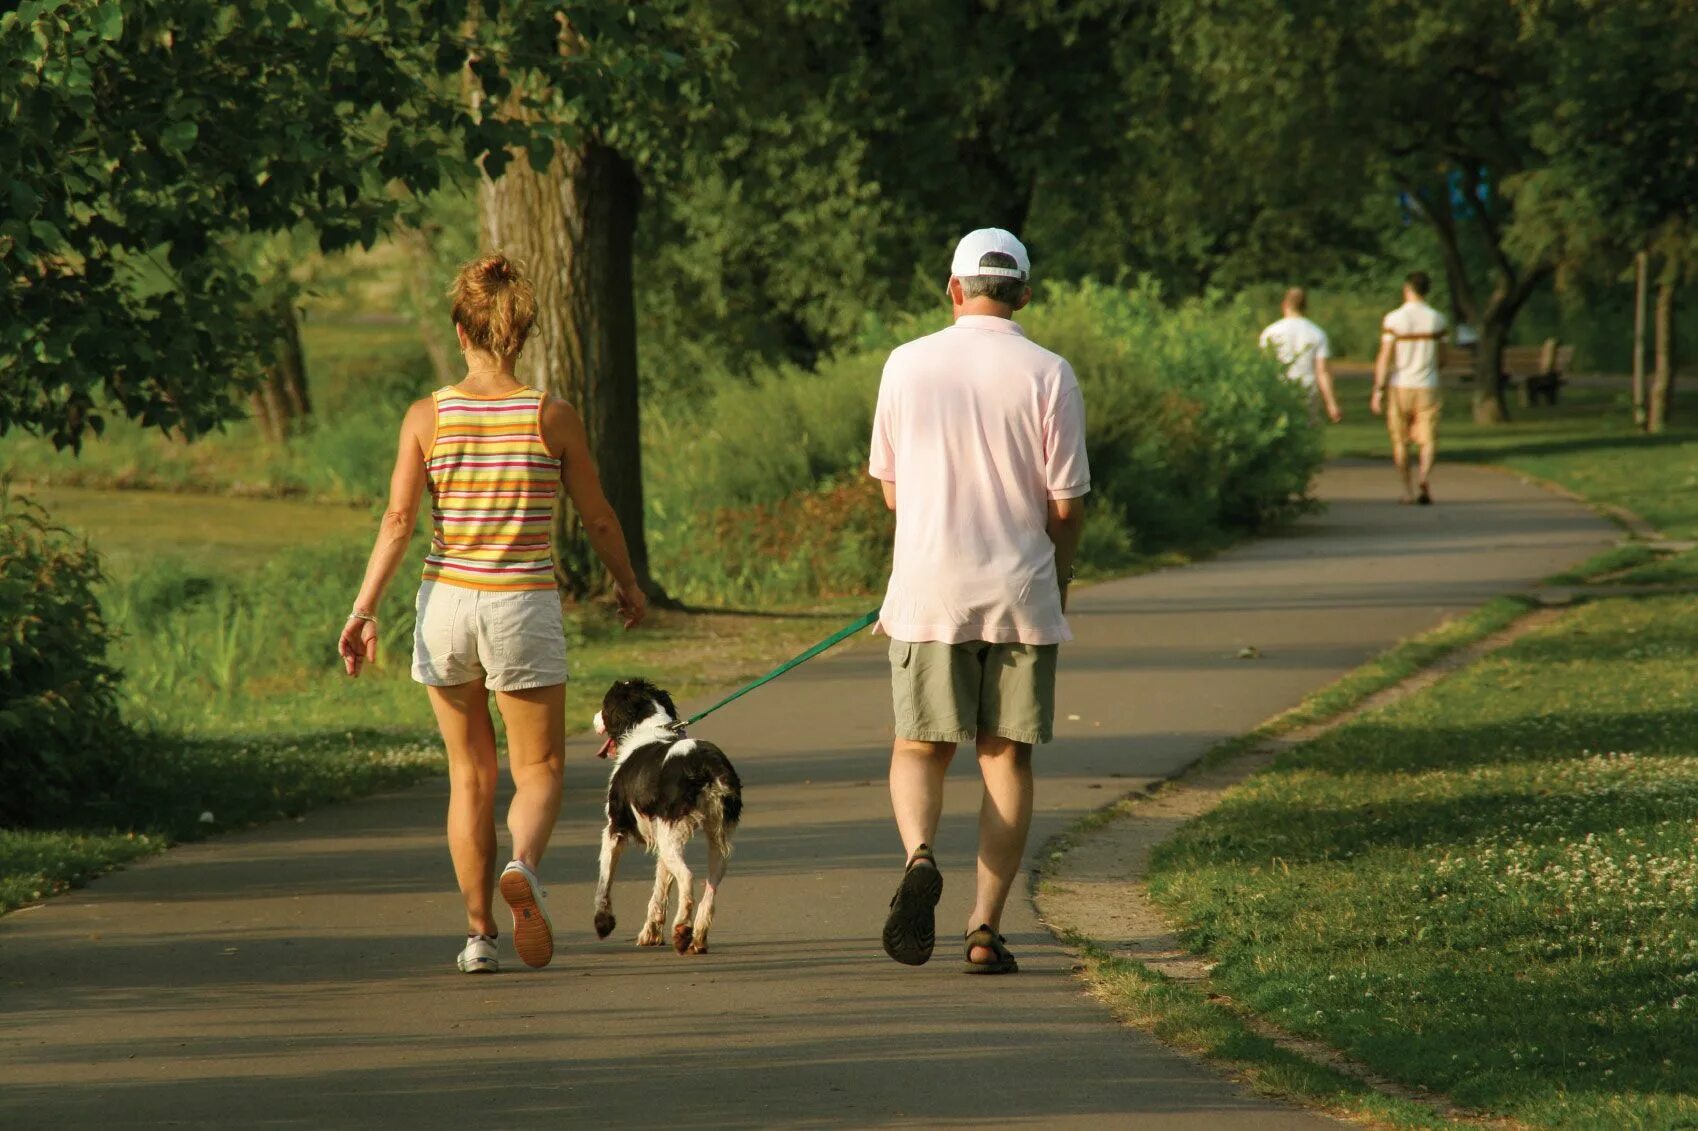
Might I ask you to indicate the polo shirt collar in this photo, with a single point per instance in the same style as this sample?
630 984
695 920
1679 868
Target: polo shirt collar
989 322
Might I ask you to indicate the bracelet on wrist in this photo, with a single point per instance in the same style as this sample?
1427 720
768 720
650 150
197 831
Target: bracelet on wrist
357 615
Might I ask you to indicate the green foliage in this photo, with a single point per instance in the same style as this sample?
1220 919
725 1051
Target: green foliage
144 141
1194 437
58 695
853 144
1486 890
1623 100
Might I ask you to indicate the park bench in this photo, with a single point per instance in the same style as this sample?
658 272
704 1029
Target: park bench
1537 371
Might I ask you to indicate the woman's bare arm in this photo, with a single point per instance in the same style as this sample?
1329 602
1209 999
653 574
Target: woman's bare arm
358 643
563 431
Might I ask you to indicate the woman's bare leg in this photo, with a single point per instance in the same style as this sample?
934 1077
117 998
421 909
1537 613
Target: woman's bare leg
536 757
462 714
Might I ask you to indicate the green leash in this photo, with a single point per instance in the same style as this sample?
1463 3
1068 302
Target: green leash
835 638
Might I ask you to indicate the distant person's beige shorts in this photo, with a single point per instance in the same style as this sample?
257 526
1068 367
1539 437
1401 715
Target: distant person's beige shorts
952 692
1413 415
510 641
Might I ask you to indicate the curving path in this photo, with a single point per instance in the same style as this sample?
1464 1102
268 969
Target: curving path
301 974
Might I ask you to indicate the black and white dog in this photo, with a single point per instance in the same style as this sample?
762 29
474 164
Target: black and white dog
663 788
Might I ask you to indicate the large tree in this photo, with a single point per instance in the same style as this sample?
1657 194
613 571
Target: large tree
145 141
566 203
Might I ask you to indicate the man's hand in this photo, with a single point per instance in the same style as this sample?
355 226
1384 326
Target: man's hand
633 605
1333 413
1376 403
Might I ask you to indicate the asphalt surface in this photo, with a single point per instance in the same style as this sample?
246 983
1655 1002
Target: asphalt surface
301 974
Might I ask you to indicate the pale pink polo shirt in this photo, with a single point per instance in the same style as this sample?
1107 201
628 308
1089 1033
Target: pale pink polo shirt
978 427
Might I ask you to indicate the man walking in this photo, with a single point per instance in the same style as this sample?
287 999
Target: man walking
979 441
1411 351
1302 348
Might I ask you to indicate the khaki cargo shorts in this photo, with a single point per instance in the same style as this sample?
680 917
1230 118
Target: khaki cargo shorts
510 641
1413 415
952 692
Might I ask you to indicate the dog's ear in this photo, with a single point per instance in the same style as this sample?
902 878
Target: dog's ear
621 707
665 701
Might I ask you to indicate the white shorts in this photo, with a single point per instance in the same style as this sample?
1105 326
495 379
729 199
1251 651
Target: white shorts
510 641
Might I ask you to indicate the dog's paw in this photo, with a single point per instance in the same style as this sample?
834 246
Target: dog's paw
604 924
649 935
681 938
697 947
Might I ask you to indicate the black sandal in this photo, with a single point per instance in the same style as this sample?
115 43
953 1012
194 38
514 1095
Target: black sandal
910 930
1003 963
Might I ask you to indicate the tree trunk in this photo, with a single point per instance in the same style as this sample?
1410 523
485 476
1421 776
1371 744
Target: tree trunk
1489 404
1641 271
428 307
572 228
282 401
1662 375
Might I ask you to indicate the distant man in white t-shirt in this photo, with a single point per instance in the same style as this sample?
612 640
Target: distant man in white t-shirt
1302 348
979 442
1411 351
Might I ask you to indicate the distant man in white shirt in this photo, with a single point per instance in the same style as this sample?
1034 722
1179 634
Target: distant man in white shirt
1302 348
1406 383
979 441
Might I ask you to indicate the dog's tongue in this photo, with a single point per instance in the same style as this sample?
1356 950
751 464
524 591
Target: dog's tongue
606 748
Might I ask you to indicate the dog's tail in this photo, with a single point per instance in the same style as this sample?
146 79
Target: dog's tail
723 789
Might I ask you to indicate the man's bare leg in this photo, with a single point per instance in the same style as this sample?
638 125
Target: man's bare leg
1005 817
1429 452
917 770
1400 457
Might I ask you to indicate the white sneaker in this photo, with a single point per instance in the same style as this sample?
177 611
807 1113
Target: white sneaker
479 956
533 931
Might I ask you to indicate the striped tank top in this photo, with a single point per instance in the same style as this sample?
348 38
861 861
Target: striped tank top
492 486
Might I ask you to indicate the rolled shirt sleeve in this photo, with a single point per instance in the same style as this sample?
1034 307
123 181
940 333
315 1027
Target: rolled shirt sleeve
1067 470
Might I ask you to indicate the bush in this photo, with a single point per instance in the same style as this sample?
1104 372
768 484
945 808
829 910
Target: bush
1194 437
59 718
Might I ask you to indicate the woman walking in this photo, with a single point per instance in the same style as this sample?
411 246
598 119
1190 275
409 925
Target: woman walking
493 453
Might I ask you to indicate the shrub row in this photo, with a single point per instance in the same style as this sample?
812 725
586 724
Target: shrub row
58 697
1194 437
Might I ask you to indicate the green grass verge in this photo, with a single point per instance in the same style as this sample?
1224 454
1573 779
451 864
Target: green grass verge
1184 1016
1487 889
1588 444
1616 559
169 790
1676 569
1388 669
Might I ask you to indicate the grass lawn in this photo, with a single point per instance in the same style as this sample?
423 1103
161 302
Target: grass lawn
1588 443
1488 889
362 373
227 626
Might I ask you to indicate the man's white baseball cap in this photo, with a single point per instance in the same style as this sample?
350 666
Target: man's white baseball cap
974 246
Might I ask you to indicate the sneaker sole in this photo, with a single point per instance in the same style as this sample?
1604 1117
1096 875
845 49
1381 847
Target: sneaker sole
910 931
487 967
533 938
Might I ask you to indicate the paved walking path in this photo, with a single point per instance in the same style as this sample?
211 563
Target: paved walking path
301 974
